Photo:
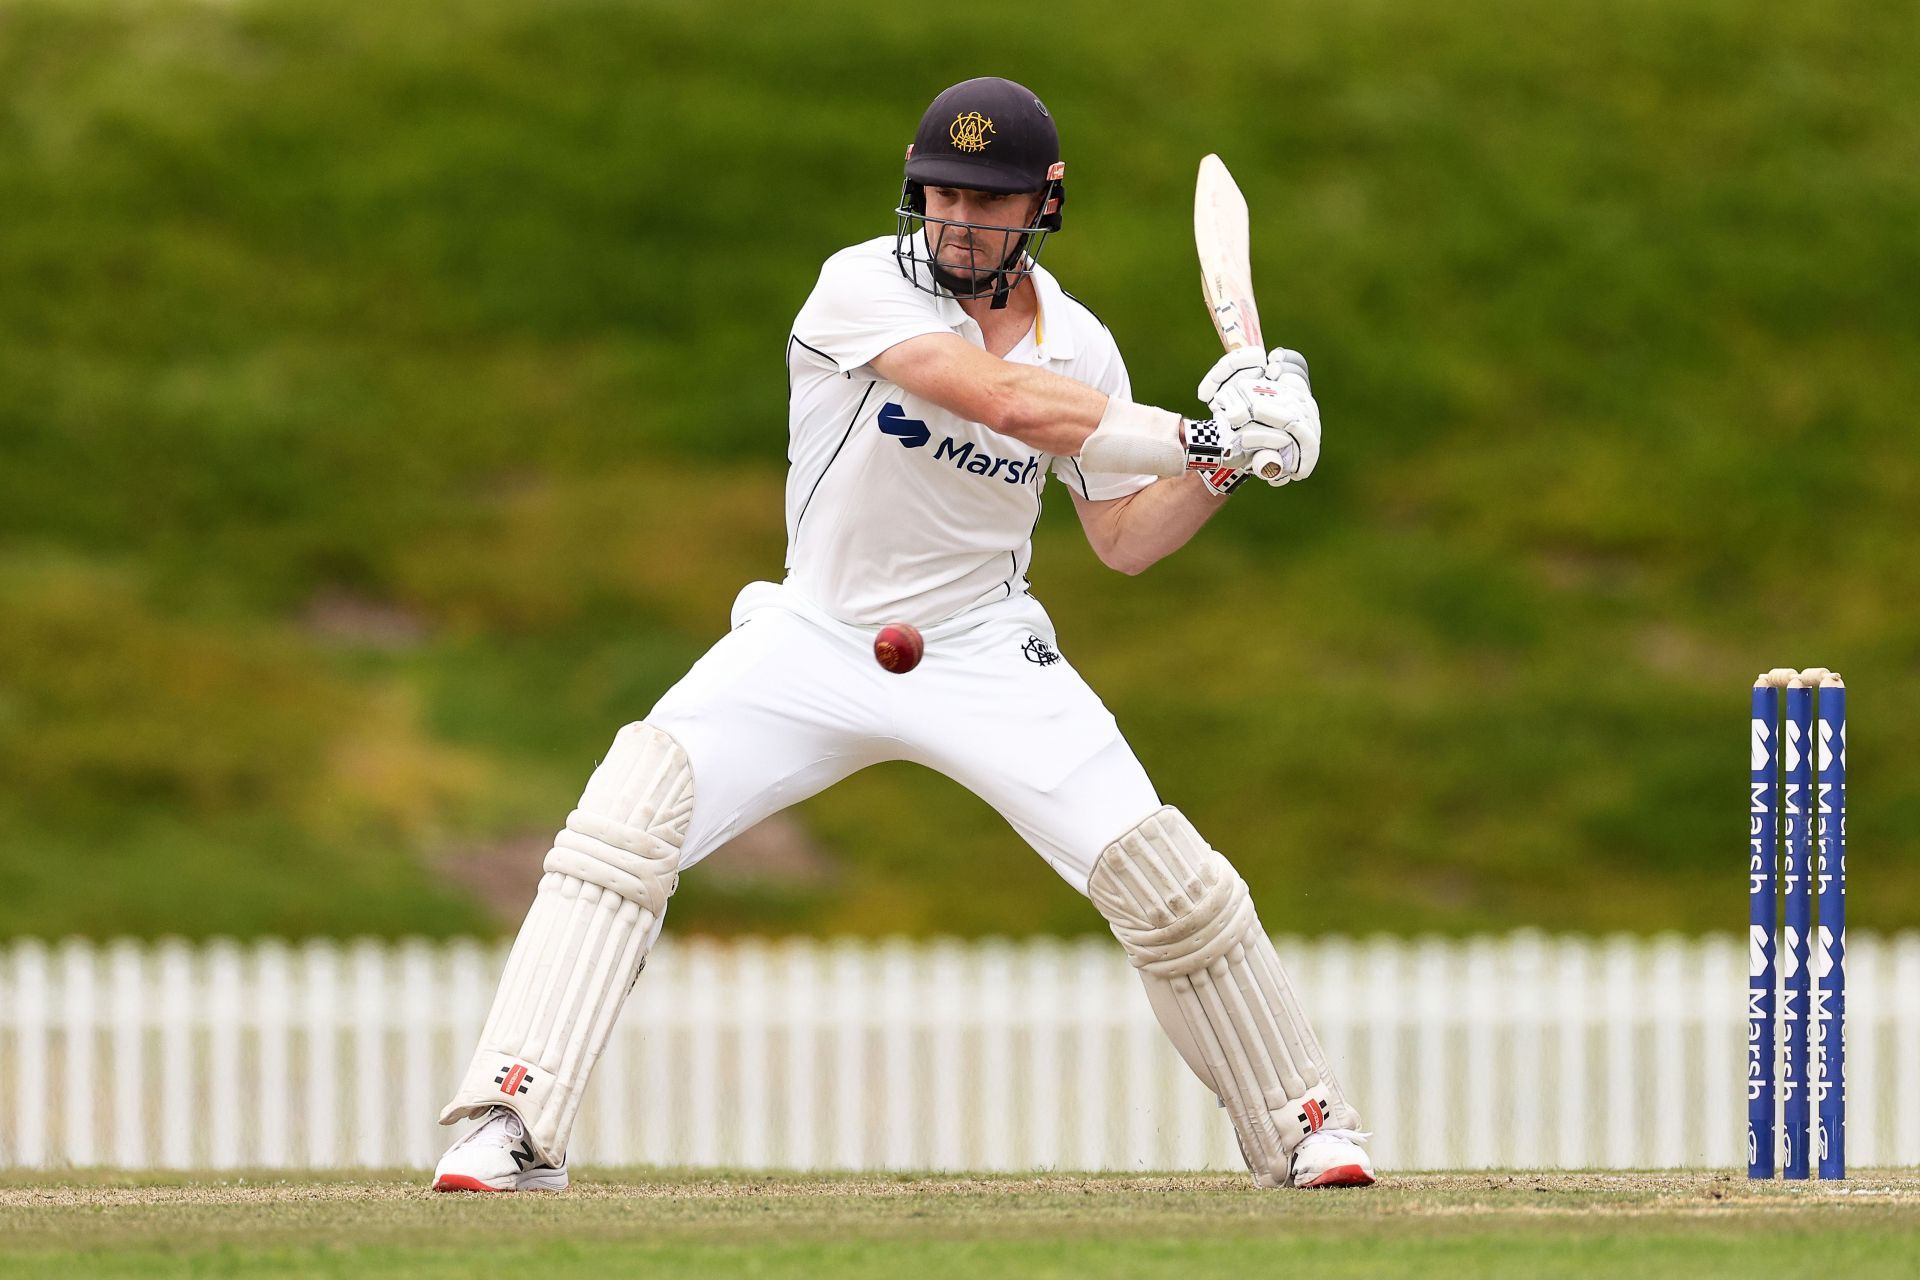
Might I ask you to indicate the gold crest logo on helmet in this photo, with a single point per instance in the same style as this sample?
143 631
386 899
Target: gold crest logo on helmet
969 131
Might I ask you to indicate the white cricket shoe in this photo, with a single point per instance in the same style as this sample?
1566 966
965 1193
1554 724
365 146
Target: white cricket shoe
1332 1158
496 1156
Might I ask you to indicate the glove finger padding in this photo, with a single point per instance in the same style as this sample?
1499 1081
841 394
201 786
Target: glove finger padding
1284 360
1305 430
1285 419
1245 360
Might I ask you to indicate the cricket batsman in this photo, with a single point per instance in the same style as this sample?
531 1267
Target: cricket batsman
938 378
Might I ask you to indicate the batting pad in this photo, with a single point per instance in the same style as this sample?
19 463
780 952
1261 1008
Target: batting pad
1185 917
597 911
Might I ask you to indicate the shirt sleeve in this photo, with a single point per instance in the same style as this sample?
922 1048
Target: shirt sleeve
861 306
1103 370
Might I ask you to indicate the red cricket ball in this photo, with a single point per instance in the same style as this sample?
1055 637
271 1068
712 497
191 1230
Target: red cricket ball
898 648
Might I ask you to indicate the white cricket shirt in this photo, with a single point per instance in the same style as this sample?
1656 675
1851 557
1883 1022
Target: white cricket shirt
897 510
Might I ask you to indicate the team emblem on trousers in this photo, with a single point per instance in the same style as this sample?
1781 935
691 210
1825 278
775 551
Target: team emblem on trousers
1038 650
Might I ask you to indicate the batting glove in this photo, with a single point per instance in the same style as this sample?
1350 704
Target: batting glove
1267 403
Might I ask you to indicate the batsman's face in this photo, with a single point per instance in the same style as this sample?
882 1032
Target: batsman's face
997 223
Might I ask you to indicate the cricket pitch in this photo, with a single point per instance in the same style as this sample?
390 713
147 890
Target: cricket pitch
681 1224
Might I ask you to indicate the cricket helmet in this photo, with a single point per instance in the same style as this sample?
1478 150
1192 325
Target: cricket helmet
984 134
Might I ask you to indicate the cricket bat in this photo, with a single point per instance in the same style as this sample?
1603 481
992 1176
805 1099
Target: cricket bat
1226 273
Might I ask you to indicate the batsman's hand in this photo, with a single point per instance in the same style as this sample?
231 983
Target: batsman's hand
1267 402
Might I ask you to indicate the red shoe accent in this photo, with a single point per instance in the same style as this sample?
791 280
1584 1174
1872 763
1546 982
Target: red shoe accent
1343 1175
460 1182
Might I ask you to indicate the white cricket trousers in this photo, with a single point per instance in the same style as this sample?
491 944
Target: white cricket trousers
791 701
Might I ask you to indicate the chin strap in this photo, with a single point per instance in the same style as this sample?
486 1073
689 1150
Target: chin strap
1002 283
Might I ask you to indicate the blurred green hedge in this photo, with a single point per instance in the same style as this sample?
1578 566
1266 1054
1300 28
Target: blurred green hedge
391 403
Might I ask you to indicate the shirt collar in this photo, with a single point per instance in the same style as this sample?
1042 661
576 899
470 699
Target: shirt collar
1052 332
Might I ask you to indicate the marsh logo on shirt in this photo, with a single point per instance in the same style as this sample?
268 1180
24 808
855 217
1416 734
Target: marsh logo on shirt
913 433
910 432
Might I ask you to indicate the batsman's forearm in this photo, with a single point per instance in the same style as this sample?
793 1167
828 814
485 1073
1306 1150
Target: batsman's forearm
1046 411
1041 409
1159 520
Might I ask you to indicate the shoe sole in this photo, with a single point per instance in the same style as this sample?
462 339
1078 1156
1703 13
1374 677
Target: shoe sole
1343 1175
461 1182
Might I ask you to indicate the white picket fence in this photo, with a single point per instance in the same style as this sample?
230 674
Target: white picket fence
1519 1051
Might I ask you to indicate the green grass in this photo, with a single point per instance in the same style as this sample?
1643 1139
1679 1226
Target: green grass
390 405
678 1224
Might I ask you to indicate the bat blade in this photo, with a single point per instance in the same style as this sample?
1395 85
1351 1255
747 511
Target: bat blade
1226 265
1224 245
